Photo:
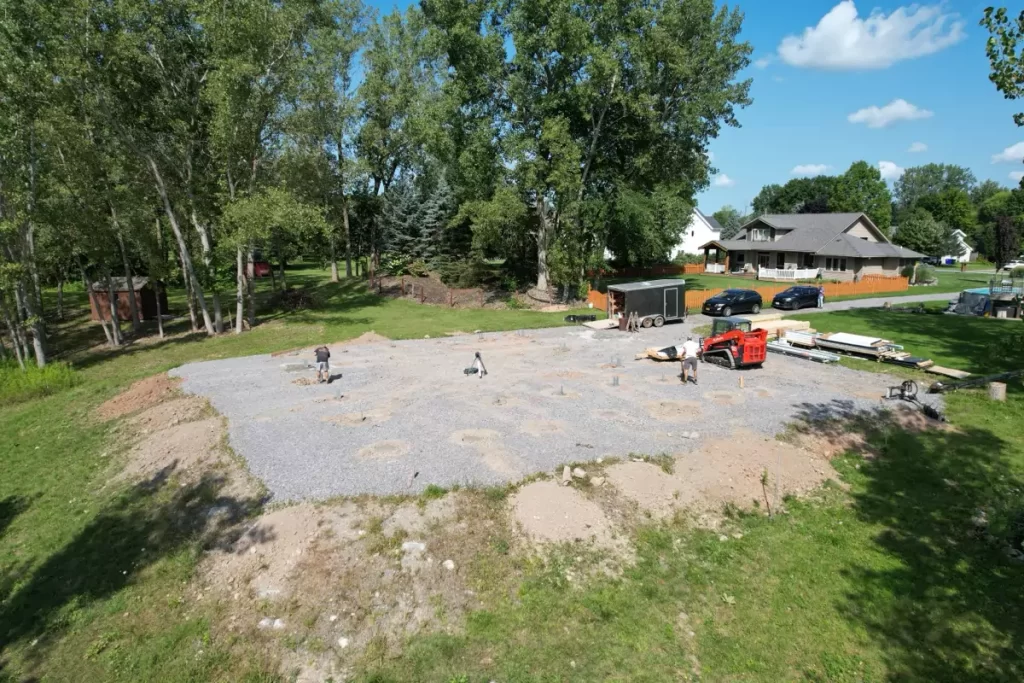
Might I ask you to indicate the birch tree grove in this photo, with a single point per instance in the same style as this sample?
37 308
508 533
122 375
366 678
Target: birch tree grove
148 139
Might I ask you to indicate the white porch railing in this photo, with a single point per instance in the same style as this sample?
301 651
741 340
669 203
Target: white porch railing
787 274
714 268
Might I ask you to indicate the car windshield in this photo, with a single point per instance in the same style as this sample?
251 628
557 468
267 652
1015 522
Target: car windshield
730 294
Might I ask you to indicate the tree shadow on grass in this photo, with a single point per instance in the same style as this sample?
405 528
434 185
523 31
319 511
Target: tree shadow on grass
10 508
151 520
951 605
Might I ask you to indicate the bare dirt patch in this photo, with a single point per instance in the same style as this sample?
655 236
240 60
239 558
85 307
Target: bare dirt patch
722 471
188 448
145 393
171 413
675 411
395 448
363 417
541 428
493 453
550 513
304 382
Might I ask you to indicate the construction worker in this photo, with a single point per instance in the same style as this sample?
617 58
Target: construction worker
323 366
688 356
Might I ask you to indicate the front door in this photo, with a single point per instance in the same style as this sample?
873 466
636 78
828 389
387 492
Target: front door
780 260
672 302
764 259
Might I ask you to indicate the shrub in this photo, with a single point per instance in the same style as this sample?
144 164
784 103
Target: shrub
924 273
17 385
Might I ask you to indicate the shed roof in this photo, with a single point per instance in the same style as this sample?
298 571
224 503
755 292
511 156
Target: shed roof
120 284
646 284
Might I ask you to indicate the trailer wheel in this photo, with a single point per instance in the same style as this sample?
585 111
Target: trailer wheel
659 321
646 322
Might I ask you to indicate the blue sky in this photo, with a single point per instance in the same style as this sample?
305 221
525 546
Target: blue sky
911 76
806 92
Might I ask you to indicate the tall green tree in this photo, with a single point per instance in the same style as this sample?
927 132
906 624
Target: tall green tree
918 230
730 219
1004 49
325 114
861 188
952 207
799 195
919 182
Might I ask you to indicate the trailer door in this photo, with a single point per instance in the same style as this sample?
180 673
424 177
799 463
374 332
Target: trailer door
672 302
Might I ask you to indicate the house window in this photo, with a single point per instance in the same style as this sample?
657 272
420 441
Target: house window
808 260
693 233
760 235
764 259
835 264
738 258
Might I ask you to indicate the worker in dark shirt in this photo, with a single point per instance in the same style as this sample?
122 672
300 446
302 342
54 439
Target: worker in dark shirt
323 367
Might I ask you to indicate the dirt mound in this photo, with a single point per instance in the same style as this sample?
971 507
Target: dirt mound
189 448
171 414
722 471
139 396
370 337
550 513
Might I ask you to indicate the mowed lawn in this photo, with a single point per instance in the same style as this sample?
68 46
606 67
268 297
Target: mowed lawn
880 577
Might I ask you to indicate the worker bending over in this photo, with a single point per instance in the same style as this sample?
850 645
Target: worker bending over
323 366
688 356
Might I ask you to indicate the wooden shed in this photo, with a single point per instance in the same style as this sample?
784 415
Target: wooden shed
142 289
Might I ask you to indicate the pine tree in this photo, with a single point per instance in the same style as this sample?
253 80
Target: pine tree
437 211
400 221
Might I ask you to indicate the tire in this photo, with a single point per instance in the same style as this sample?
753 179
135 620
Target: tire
659 321
646 322
727 311
755 309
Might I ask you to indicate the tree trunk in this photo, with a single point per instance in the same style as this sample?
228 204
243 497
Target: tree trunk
252 299
284 283
189 298
129 278
3 350
542 244
115 322
35 323
190 273
240 293
11 324
334 260
211 274
348 237
158 286
60 297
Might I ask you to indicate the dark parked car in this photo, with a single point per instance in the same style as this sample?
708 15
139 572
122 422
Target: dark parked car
801 296
733 301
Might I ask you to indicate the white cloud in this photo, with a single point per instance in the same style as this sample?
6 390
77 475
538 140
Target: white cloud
777 79
842 40
889 170
763 62
918 147
1013 153
897 110
722 180
810 169
1016 175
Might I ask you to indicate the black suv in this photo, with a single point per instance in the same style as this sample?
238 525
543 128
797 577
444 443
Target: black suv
801 296
733 301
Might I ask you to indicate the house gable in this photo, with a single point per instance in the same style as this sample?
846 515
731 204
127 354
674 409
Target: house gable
866 230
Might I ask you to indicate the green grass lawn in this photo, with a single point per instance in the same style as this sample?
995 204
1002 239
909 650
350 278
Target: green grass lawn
879 578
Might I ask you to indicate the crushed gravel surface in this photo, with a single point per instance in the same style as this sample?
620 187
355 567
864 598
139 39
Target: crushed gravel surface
403 415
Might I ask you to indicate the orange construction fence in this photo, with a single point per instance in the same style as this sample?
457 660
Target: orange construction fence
869 284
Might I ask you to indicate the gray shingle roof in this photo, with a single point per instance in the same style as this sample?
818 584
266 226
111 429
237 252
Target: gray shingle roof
120 284
848 245
832 222
715 225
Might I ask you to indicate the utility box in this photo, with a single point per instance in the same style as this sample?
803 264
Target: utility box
655 302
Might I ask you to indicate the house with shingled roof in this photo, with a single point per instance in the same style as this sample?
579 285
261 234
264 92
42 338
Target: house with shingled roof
836 246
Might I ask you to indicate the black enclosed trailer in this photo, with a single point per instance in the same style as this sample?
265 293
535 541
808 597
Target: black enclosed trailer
655 302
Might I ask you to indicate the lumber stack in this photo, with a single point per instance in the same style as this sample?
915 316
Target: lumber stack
779 326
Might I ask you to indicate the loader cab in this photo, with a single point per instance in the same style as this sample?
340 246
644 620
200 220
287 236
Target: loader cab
723 325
